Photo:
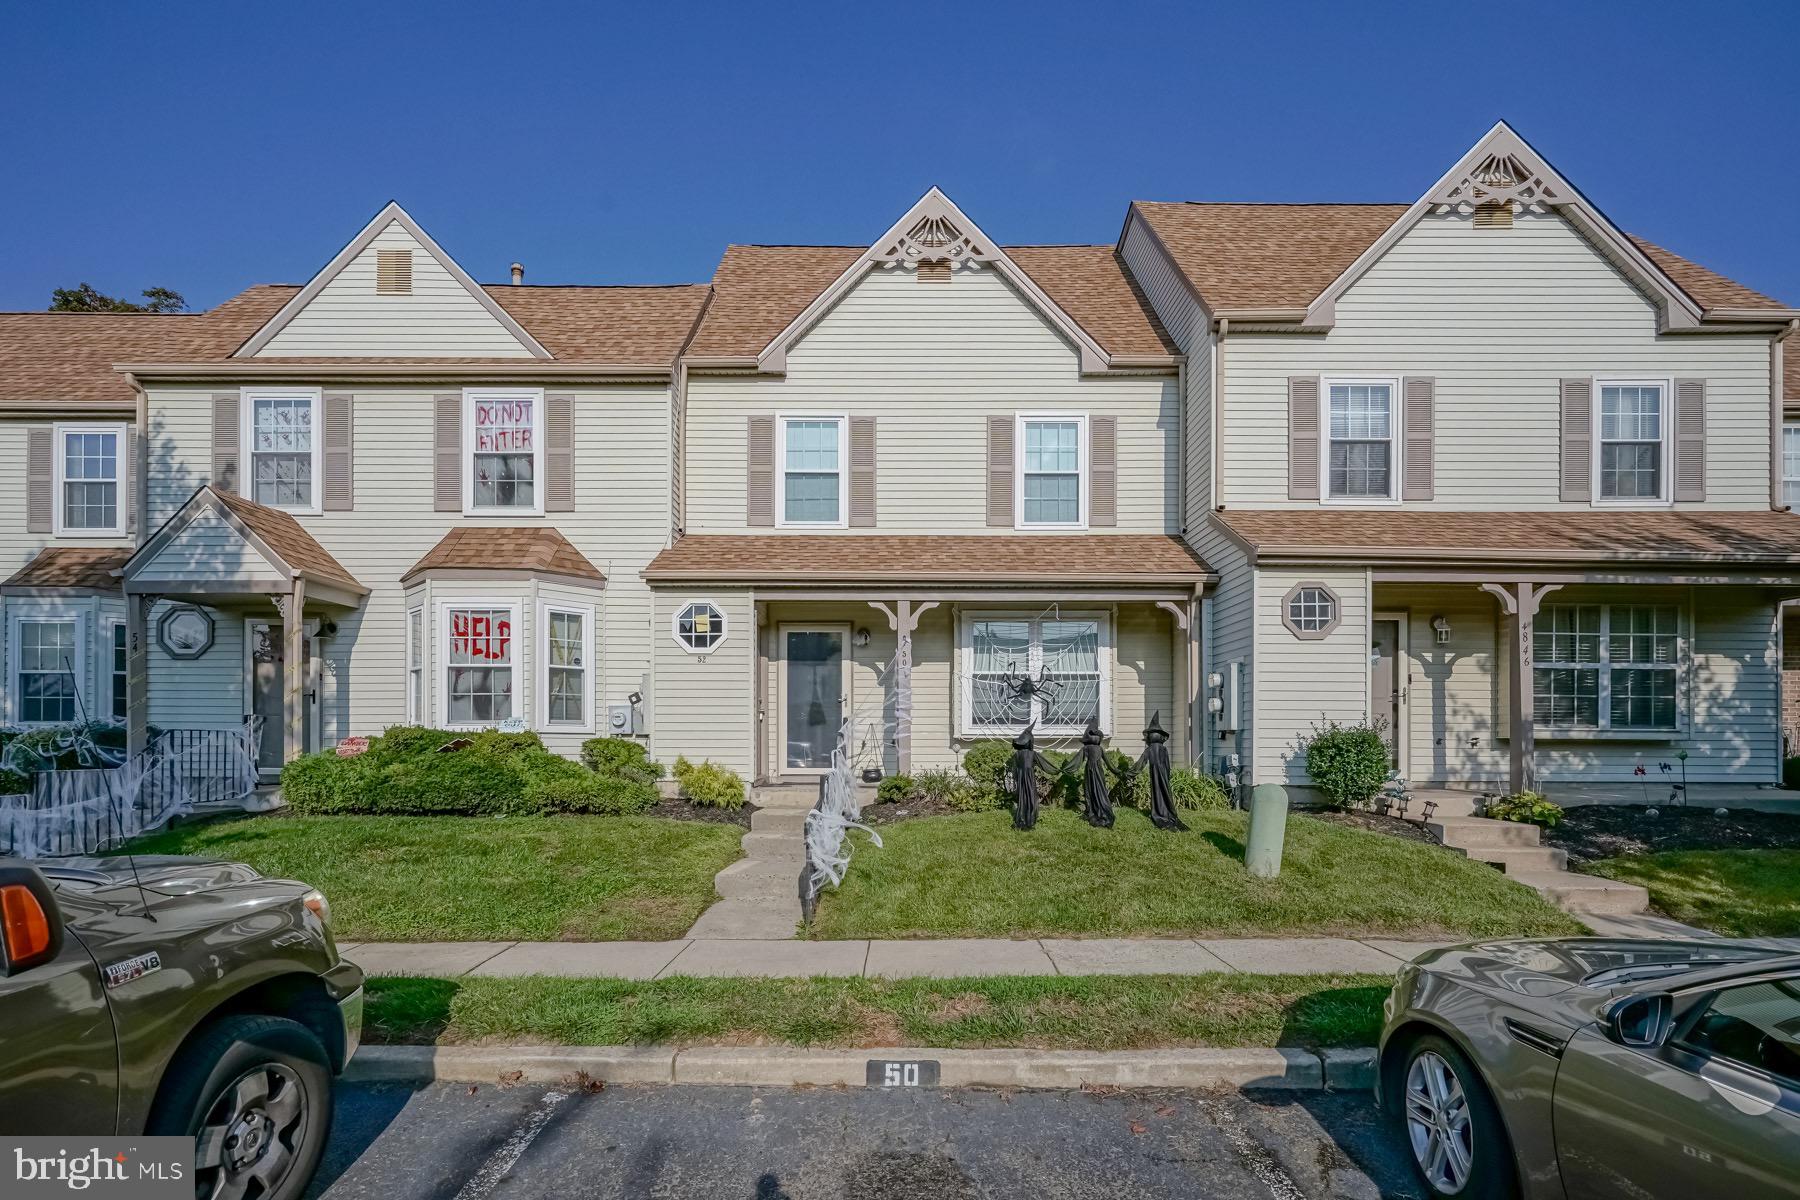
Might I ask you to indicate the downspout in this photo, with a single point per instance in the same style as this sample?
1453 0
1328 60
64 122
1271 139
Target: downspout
1777 401
1218 417
140 458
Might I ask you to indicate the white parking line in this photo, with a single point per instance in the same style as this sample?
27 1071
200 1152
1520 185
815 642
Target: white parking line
1260 1162
511 1150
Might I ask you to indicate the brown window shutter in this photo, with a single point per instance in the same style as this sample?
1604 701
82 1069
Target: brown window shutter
227 436
559 453
1303 437
862 472
1420 432
759 477
1577 440
339 466
447 482
128 480
1000 471
1690 439
1103 472
40 479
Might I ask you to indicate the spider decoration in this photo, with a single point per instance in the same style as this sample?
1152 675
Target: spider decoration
1025 687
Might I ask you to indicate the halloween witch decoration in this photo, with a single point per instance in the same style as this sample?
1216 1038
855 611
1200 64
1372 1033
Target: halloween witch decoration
1096 804
1022 776
1156 757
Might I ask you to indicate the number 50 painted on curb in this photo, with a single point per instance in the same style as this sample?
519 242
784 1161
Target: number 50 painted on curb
902 1073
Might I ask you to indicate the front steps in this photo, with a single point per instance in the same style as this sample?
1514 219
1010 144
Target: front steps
760 893
1514 848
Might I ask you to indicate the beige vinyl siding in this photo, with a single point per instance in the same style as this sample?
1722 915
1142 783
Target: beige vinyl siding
206 692
620 522
704 703
210 549
1229 636
438 318
1497 317
931 362
17 546
1297 681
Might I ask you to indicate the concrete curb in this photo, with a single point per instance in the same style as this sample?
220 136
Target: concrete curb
784 1066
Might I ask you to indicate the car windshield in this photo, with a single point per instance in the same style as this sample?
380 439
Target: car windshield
1638 972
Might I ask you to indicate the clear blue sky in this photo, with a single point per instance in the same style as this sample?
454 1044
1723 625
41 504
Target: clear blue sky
205 147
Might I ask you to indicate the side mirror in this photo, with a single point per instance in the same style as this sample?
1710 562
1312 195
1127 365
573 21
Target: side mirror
1642 1022
31 928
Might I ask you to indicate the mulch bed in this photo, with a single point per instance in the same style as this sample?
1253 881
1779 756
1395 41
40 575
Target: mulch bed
686 810
1376 823
891 814
1595 831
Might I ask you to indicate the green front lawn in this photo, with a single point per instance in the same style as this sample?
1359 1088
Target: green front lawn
416 879
1739 893
1116 1012
975 876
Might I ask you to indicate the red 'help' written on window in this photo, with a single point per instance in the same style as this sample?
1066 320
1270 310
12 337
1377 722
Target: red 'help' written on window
503 427
482 636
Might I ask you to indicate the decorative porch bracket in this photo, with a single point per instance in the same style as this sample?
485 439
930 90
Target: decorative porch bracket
1520 600
903 619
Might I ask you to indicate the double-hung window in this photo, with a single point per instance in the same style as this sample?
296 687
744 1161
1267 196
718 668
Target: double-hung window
1607 666
90 480
415 667
1631 448
279 431
811 455
504 451
480 664
47 661
118 661
1790 464
1361 443
1019 669
1052 471
566 654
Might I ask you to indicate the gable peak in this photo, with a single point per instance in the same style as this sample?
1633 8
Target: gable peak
1501 170
933 231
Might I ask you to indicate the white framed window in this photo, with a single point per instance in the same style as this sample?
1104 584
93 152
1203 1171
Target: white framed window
415 666
90 480
810 462
698 626
482 675
503 451
1632 445
280 447
1607 667
1360 452
117 664
1027 667
48 657
1051 470
565 658
1790 463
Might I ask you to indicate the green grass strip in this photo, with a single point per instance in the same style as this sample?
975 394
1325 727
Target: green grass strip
1739 893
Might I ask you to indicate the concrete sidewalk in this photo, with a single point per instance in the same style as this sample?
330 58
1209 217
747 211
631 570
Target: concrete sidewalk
941 958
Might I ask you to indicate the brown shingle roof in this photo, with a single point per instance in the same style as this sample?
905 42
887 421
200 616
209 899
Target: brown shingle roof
538 549
70 567
1024 559
288 538
620 326
759 290
1256 256
1664 535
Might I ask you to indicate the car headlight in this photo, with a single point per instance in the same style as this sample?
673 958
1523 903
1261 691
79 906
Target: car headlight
320 907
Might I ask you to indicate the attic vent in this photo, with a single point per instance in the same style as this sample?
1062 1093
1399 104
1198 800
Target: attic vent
393 272
1493 216
934 272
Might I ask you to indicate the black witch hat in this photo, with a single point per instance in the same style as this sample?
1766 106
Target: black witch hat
1092 735
1023 741
1154 732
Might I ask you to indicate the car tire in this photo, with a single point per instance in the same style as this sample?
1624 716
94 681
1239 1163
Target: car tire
255 1094
1476 1150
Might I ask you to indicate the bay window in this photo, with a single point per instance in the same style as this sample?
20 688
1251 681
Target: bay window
811 457
1019 669
1362 440
504 451
90 478
1607 666
566 651
279 427
480 664
1052 471
1632 446
415 667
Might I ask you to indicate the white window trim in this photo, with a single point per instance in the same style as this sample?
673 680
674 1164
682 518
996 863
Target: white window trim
965 672
15 694
113 682
843 471
520 644
1787 426
247 442
473 396
1020 420
587 615
1667 472
417 701
724 625
1605 728
1396 443
123 472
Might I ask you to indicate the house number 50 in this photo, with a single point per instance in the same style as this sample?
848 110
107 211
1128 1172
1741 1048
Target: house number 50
902 1073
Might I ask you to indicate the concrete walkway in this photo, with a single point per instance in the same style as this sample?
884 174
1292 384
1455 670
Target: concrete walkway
760 892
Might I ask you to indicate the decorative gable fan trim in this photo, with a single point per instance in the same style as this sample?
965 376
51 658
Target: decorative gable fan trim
1499 182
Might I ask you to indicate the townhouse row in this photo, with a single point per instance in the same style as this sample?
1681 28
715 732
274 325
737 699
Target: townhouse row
1481 468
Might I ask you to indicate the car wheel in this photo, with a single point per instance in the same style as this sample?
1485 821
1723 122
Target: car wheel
255 1094
1447 1118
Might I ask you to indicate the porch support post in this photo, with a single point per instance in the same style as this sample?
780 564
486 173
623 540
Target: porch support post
1180 642
293 681
1520 600
903 619
137 673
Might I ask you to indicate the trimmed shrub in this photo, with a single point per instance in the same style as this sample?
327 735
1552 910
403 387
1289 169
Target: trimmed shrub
12 783
985 763
555 784
1196 791
709 785
1349 763
894 789
1527 808
620 756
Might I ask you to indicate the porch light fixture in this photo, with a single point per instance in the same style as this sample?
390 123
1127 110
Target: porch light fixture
862 637
1440 625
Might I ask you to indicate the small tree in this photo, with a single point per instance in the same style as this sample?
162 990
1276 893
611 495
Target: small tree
87 298
1349 763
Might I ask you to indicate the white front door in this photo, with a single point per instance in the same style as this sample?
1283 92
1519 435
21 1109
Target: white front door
1388 682
814 678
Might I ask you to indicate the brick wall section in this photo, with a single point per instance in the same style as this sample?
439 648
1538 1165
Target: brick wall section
1790 678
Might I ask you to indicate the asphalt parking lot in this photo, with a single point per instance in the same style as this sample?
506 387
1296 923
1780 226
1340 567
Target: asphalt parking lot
458 1142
